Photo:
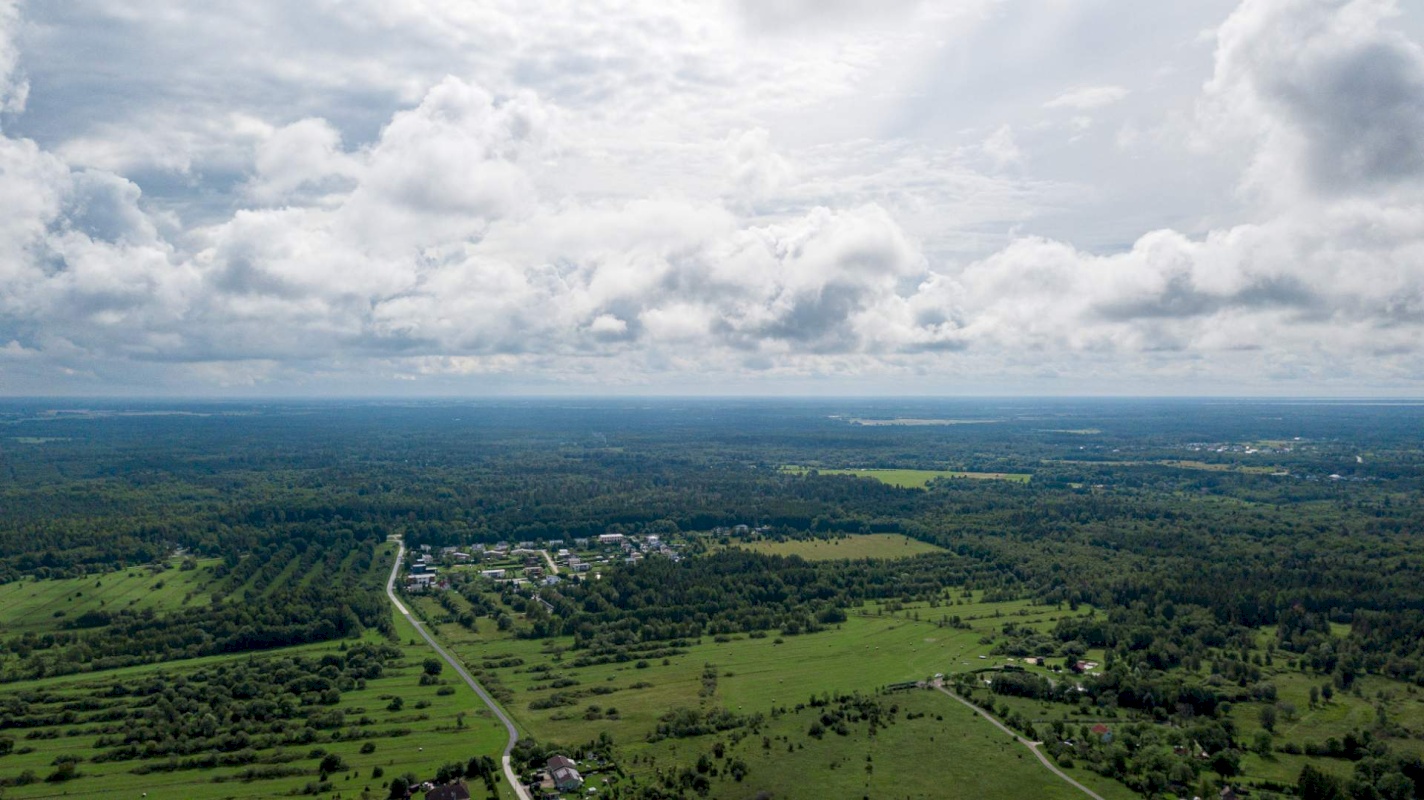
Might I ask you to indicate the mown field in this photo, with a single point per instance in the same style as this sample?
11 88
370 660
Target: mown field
872 545
84 719
913 478
555 698
39 606
928 747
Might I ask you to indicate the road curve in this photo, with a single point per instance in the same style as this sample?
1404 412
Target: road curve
1032 746
460 670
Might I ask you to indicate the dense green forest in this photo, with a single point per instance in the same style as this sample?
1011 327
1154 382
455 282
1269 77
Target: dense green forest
1211 540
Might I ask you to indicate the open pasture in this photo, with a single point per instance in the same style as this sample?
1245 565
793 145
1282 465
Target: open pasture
436 724
912 478
928 746
554 698
871 545
30 606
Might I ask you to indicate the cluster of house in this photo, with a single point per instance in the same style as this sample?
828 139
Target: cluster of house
1080 666
635 549
421 574
740 530
583 556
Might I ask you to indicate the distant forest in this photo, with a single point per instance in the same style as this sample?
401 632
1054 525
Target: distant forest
1179 558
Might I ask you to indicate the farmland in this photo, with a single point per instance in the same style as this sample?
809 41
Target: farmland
886 545
913 478
555 698
436 725
648 590
104 724
923 743
38 606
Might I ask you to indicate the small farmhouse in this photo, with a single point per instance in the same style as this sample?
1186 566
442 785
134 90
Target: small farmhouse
452 791
563 774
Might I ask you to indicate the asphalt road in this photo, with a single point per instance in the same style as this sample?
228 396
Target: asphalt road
553 568
460 670
1032 746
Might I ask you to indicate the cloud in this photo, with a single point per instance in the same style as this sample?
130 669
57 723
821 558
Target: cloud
1001 148
758 171
300 161
1088 98
1333 269
595 226
14 89
788 16
1331 94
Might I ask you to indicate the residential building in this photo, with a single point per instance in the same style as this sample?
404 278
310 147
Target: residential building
563 773
450 791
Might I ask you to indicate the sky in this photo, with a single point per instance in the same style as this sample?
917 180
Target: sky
472 197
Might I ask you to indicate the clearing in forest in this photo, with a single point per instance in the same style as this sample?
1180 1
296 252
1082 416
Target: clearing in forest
871 545
912 478
52 605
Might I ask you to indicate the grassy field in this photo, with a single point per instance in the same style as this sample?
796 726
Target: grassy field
39 606
1201 466
933 748
872 648
934 742
430 730
1402 703
874 545
435 736
878 645
913 478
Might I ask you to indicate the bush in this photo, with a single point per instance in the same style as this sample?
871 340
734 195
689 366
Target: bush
332 763
67 770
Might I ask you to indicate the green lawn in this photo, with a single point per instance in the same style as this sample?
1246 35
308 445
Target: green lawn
873 545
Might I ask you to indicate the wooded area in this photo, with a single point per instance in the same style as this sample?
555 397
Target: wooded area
1218 547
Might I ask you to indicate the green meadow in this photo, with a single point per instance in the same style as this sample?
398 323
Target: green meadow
450 727
871 545
877 645
31 606
912 478
933 747
61 718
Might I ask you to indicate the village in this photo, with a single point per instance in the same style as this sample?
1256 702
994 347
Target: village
530 564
